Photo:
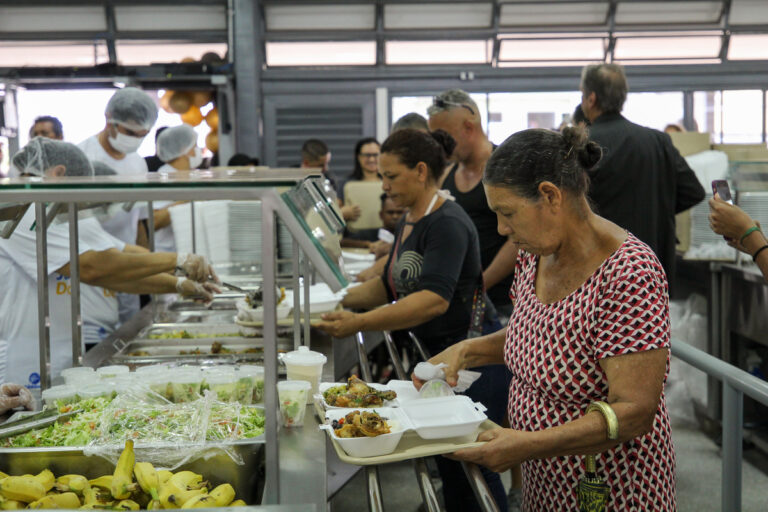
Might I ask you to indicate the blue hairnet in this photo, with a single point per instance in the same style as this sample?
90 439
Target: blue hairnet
41 153
175 142
132 107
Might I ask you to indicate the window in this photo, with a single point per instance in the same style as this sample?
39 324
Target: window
654 109
352 53
547 14
559 50
512 112
628 13
320 17
402 105
52 53
438 15
748 47
438 52
140 53
732 117
169 17
647 48
52 18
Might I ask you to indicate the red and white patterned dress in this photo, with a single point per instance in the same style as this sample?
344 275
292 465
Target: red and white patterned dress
553 351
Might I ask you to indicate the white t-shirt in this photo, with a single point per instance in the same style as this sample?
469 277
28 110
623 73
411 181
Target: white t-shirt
122 224
99 305
18 302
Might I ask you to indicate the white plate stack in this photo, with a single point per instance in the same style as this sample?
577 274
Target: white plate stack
756 205
3 357
245 231
284 242
705 243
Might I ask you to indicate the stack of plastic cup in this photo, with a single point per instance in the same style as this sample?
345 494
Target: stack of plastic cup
256 375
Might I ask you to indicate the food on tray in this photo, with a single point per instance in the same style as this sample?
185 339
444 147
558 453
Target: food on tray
356 393
151 490
255 298
361 424
217 348
144 421
184 334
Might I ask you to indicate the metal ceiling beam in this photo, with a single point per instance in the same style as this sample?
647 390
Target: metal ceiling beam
381 52
192 36
109 13
371 35
91 3
726 17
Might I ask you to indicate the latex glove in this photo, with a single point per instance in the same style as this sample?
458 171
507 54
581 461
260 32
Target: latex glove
15 395
199 291
196 268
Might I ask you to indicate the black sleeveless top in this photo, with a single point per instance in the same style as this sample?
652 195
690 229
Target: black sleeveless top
475 204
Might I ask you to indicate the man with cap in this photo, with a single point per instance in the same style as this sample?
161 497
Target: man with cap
130 115
102 262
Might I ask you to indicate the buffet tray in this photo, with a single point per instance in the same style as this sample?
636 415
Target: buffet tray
195 316
215 465
210 330
411 446
166 350
314 319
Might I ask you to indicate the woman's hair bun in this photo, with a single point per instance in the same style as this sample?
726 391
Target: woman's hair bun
577 142
445 140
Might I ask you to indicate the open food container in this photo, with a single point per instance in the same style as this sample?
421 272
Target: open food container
383 444
248 314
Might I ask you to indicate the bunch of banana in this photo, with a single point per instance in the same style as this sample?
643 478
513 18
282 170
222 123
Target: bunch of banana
152 489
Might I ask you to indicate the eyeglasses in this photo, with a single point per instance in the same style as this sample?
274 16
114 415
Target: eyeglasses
369 155
444 104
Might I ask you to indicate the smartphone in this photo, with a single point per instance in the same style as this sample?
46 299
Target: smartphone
723 191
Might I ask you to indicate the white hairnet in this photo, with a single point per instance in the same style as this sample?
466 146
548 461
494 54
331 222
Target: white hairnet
41 153
175 142
132 107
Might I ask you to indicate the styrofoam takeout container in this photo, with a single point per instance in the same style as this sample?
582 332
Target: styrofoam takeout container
325 386
369 446
448 416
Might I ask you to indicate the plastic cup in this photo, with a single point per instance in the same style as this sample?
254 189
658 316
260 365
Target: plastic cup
224 383
160 383
64 394
151 368
256 375
186 385
304 364
110 372
292 396
78 375
95 390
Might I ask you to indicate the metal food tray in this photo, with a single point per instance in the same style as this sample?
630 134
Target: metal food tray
218 304
215 465
210 330
195 316
168 350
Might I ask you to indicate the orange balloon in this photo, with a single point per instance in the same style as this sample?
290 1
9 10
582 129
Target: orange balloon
180 102
192 117
212 118
165 101
212 141
201 98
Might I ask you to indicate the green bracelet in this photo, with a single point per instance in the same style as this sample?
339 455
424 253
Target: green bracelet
747 233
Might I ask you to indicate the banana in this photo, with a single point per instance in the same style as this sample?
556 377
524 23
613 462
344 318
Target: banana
22 488
103 482
171 496
147 477
164 475
12 505
237 503
73 483
3 475
223 495
187 480
46 478
201 501
154 505
63 500
122 478
127 505
95 496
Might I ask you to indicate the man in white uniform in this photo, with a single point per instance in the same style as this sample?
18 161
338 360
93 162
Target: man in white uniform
101 264
130 115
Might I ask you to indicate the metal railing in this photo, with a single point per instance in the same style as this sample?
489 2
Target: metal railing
736 383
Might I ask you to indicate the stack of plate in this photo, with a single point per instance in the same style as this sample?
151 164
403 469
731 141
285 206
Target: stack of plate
245 231
756 205
3 356
181 219
705 243
216 223
284 241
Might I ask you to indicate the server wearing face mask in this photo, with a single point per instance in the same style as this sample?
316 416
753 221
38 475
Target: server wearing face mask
130 115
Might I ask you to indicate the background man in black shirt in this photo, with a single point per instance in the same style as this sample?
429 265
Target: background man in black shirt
456 113
642 181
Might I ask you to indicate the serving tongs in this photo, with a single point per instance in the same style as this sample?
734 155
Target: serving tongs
33 421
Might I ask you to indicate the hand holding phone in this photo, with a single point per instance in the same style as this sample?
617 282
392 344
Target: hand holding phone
723 191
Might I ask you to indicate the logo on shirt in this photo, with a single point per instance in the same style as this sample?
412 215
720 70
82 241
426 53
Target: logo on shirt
406 272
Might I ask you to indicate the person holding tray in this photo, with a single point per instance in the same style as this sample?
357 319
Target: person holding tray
432 282
590 324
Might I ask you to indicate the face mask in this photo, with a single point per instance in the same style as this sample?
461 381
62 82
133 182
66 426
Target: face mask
196 159
125 143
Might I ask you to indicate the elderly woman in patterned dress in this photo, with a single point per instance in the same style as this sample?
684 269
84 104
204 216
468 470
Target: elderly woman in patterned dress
590 322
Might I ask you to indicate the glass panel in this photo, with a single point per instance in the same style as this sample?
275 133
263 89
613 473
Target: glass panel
748 12
351 53
52 53
667 12
748 47
49 18
171 17
320 17
437 52
666 47
141 53
512 112
527 14
654 109
732 117
438 15
402 105
551 49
